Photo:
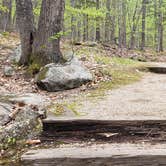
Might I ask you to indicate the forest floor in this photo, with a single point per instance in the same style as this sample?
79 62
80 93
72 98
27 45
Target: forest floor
108 71
140 98
106 64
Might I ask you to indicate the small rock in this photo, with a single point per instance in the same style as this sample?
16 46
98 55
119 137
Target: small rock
17 54
8 71
83 58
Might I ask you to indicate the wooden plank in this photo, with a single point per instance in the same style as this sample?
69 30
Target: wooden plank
115 126
128 130
155 69
98 155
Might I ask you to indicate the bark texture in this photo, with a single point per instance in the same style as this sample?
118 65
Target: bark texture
160 27
24 11
108 21
6 16
97 22
47 40
143 35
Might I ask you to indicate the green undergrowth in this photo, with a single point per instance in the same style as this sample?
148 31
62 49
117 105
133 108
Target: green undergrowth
59 109
35 65
120 77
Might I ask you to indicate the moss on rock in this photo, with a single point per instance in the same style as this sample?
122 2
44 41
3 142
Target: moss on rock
42 74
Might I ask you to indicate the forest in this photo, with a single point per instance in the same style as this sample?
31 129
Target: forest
131 24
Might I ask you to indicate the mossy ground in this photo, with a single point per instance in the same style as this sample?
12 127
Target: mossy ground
58 109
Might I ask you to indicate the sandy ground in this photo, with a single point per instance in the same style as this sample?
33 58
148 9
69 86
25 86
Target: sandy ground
144 100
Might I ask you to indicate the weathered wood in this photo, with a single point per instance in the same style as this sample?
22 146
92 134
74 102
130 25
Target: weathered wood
94 128
98 155
160 70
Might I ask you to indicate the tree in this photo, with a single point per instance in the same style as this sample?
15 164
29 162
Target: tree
130 24
85 23
46 46
122 23
41 45
6 16
113 21
97 22
144 2
134 24
73 22
25 22
108 21
160 27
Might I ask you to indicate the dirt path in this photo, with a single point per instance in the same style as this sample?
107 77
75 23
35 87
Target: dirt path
144 100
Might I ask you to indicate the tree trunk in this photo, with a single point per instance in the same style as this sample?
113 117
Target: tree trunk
113 22
108 21
143 24
79 21
122 23
85 23
135 21
24 12
6 16
160 27
46 47
86 28
73 22
97 22
156 25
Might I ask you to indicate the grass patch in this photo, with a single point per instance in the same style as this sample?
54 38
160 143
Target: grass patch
59 109
102 60
120 77
124 61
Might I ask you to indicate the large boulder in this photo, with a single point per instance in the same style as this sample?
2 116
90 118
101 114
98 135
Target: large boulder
8 102
25 126
20 118
56 77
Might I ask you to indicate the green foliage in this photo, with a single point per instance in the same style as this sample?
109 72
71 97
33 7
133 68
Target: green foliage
36 11
6 34
33 68
58 35
90 11
4 9
11 141
83 15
